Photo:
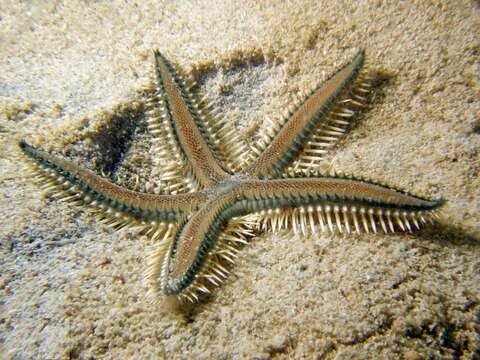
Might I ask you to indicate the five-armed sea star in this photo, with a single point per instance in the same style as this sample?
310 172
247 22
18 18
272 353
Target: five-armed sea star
213 183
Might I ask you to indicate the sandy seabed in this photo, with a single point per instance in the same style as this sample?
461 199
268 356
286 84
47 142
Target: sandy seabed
70 81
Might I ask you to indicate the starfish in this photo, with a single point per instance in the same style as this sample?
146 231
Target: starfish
217 191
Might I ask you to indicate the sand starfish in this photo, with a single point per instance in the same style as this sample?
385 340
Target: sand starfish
217 191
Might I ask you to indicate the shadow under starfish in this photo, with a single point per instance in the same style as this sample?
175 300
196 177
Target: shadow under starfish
216 191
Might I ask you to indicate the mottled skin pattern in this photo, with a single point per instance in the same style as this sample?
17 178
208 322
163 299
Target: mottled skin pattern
202 228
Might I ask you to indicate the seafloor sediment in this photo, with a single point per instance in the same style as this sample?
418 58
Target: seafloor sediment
71 82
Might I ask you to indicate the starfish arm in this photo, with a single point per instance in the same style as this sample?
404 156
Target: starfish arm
182 120
344 204
203 248
304 136
120 206
221 136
